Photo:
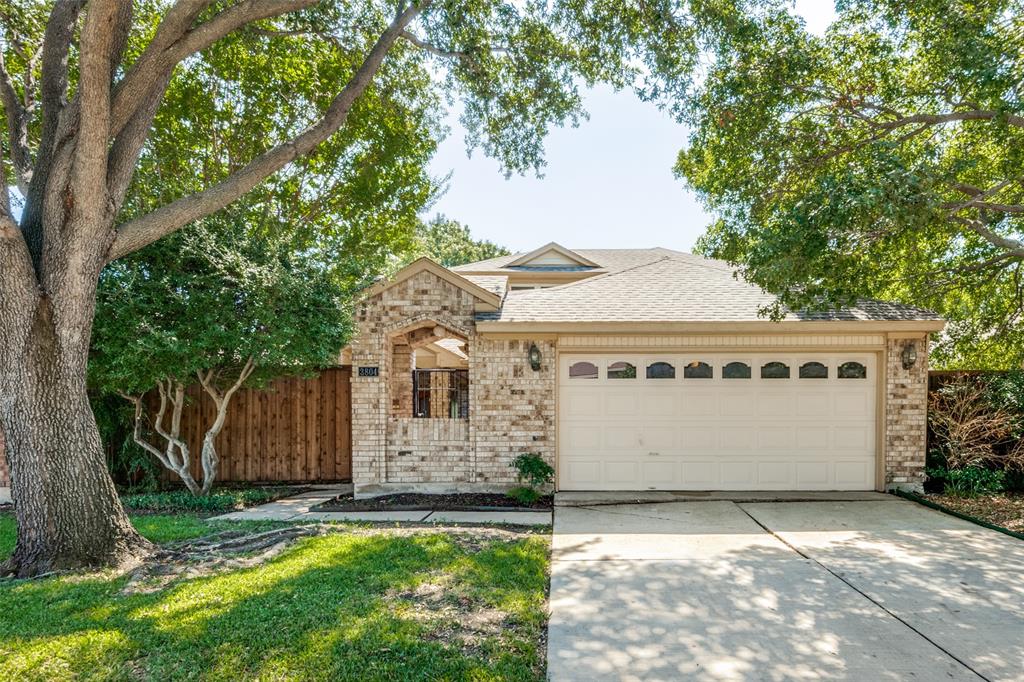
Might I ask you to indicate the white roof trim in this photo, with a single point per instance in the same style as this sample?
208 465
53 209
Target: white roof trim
526 259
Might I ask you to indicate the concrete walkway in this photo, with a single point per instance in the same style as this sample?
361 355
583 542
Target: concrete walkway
299 508
879 589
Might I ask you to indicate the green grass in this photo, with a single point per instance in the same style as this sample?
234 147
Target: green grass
218 501
336 607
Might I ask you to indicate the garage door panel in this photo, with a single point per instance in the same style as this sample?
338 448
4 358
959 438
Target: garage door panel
659 473
776 438
658 437
737 438
852 403
658 403
775 404
812 474
736 403
619 403
698 403
775 474
621 437
581 403
621 471
718 434
812 437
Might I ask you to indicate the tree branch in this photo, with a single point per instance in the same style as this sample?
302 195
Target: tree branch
1011 246
164 53
144 230
17 129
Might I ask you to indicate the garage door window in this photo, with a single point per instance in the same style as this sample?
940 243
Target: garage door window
852 370
698 370
813 370
736 370
775 370
583 370
661 370
621 370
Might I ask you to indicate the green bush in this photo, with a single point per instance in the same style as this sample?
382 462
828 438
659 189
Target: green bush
524 495
533 472
969 481
219 500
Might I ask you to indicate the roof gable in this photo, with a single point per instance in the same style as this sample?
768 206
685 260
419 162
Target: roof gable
488 299
551 255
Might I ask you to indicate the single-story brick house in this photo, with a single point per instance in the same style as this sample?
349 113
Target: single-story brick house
629 369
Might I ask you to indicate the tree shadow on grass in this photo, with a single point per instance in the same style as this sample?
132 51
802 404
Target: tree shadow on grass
315 612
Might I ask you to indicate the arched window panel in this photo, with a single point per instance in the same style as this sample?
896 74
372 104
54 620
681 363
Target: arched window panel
736 370
852 370
698 370
582 370
813 370
621 370
774 370
661 370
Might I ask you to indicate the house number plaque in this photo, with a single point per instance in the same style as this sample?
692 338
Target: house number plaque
369 371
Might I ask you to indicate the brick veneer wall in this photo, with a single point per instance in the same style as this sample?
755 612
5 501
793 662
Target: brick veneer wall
375 460
511 406
906 415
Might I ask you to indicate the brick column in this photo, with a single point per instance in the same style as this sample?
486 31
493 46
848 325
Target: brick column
906 415
400 381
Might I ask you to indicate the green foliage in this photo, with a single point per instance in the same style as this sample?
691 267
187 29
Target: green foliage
218 500
532 470
449 243
828 191
968 481
129 465
334 607
523 494
209 297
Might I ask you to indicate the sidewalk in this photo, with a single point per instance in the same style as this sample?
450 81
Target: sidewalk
299 508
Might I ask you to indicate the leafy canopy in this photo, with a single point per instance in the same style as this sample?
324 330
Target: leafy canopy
210 297
449 243
884 159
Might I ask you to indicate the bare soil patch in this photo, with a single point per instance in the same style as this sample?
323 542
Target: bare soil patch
425 502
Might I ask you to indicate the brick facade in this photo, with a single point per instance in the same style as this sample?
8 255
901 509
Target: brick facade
906 415
512 406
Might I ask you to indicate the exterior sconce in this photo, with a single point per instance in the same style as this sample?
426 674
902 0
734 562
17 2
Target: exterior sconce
909 355
534 356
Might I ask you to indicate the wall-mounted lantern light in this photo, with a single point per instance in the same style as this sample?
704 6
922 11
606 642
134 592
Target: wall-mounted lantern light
534 356
909 355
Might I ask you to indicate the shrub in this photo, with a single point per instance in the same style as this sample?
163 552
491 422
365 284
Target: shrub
524 495
969 481
219 500
534 472
974 426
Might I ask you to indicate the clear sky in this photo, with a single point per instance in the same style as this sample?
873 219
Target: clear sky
608 183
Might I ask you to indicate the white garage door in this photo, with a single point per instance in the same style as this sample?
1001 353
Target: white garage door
717 422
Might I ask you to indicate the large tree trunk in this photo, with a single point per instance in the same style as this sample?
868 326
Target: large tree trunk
68 512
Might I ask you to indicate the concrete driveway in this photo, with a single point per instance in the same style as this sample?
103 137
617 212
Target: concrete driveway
878 589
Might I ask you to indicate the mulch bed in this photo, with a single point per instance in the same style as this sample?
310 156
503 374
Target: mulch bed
1006 509
423 502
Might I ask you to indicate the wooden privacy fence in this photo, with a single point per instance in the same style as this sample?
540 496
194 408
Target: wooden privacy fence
294 430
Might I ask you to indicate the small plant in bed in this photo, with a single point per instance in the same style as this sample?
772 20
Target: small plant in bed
533 473
220 500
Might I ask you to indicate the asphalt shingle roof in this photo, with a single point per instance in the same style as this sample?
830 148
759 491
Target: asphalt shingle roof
673 287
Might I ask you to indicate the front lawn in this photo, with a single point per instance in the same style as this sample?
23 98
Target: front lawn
1002 509
360 603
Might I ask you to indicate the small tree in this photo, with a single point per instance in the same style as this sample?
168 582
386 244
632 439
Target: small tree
214 305
449 243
